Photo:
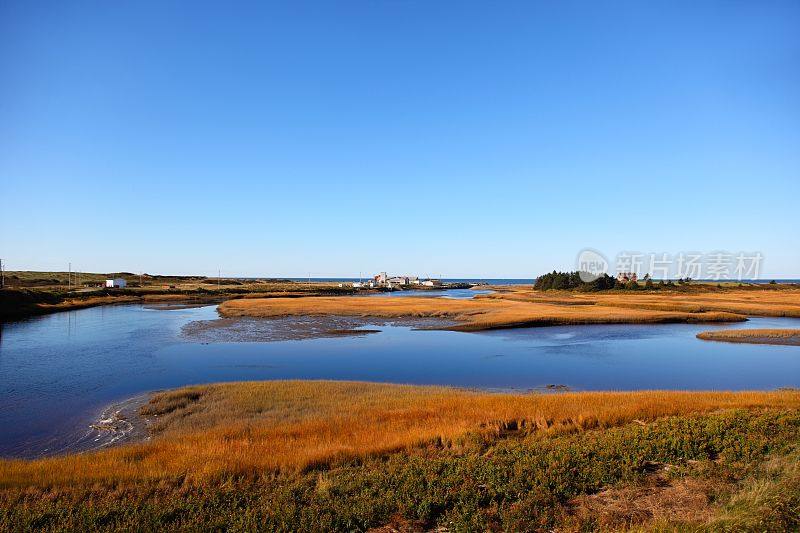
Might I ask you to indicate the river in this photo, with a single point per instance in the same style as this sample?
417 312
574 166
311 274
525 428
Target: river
58 372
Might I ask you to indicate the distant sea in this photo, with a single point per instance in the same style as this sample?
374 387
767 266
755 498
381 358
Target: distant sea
530 281
490 281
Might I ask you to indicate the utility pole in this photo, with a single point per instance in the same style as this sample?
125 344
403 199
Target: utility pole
69 277
141 283
219 275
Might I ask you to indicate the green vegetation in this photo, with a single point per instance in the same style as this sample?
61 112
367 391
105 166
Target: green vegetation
281 456
572 280
34 293
29 278
733 470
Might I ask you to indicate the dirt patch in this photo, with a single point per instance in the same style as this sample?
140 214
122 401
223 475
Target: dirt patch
247 329
658 499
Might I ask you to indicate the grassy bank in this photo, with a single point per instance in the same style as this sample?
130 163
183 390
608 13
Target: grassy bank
754 336
332 455
62 279
508 306
17 303
515 307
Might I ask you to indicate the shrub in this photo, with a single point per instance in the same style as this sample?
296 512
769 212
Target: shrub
572 280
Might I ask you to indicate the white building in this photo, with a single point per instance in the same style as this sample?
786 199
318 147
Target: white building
116 283
432 283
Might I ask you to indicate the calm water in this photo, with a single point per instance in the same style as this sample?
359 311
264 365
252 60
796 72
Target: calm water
57 372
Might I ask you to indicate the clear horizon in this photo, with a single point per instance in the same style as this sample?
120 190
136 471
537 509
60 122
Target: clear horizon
456 139
762 279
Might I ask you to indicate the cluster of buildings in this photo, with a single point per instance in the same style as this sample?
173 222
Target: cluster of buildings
625 277
116 283
383 281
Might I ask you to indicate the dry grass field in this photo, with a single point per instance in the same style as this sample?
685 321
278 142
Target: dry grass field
240 428
20 279
308 455
765 302
754 336
20 301
311 456
508 306
515 307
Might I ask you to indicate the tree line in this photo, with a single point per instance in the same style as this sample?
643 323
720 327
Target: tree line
572 281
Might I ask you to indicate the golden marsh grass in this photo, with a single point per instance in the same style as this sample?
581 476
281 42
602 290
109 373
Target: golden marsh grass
209 431
754 336
514 307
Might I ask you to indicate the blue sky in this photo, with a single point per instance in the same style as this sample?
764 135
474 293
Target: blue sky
462 138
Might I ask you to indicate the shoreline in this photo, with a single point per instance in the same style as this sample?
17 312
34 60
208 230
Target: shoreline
477 314
509 306
295 328
125 422
519 306
117 424
273 451
114 424
22 303
779 337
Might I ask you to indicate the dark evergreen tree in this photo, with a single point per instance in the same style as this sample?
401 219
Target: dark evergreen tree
572 281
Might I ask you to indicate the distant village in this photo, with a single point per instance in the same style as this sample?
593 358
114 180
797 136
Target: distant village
383 281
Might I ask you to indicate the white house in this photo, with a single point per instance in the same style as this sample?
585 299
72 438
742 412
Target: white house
116 283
